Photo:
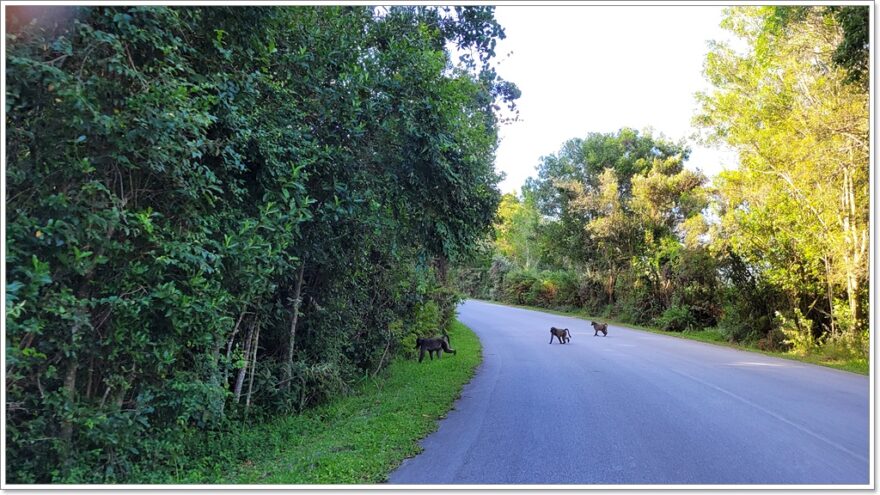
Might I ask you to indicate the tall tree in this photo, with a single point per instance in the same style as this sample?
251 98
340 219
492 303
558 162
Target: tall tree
516 230
852 51
215 210
577 170
796 210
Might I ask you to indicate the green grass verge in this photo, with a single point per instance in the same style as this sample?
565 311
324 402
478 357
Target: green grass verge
358 439
712 336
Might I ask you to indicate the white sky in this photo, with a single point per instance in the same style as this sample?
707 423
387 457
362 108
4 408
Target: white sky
599 68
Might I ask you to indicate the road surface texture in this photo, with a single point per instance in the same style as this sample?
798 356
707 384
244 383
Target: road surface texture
640 408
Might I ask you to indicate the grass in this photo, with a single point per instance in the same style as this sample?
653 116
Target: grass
357 439
713 336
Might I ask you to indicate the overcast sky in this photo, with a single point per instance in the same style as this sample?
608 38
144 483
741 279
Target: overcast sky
598 68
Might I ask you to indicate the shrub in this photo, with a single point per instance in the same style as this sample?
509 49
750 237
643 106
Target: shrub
590 293
518 287
501 266
566 288
677 319
798 331
748 316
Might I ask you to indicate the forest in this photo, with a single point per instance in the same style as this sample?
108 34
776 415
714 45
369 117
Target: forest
221 214
772 254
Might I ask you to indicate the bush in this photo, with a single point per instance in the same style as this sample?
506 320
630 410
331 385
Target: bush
635 301
501 266
677 319
566 288
519 287
798 331
747 316
847 345
546 289
590 292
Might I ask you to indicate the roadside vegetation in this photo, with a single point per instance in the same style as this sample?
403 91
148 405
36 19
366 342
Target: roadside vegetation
222 217
771 255
359 438
714 336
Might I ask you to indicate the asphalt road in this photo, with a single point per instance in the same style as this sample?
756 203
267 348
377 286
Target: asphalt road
640 408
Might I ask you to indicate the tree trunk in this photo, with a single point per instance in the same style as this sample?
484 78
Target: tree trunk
73 365
609 288
297 299
528 257
442 265
254 346
70 396
90 376
242 372
855 248
830 294
229 347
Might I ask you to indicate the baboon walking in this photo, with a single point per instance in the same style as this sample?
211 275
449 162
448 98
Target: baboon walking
561 334
600 327
437 345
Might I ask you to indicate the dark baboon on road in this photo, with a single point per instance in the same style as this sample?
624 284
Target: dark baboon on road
437 345
561 334
600 327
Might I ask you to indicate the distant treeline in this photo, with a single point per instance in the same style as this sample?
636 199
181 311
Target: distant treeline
773 253
217 214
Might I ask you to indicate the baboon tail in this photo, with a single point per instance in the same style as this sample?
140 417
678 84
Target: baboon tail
446 336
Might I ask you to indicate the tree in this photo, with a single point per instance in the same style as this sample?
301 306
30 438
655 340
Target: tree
216 212
852 50
610 227
796 211
576 170
516 230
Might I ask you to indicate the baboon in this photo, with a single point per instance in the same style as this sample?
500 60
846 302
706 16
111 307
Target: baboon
437 345
561 334
600 327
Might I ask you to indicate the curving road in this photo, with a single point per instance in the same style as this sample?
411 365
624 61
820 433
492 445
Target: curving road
639 408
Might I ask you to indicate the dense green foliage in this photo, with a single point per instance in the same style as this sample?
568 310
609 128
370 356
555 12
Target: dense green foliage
851 51
797 207
606 217
773 253
362 438
358 438
223 213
